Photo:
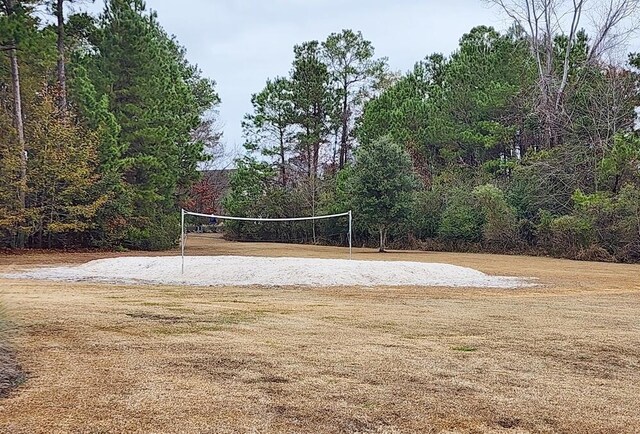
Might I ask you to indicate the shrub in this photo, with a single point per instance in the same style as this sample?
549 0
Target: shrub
595 253
571 234
627 224
527 231
599 210
543 233
547 180
461 220
630 252
426 214
160 233
500 226
619 165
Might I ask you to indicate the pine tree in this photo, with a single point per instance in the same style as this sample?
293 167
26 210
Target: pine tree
270 127
312 103
354 74
157 99
12 23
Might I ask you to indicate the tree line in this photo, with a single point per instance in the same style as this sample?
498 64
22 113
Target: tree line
103 122
518 141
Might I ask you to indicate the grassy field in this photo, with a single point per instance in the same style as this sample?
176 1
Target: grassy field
560 357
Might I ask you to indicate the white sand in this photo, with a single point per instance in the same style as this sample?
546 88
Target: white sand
246 270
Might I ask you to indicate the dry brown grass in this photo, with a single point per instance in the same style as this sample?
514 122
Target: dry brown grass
562 357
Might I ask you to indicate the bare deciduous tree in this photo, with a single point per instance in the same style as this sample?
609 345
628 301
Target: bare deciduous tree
543 21
614 23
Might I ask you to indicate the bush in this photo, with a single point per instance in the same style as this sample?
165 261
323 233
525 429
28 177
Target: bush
527 231
547 180
543 233
571 234
630 252
615 220
461 220
627 224
619 165
160 233
500 226
426 214
599 209
595 253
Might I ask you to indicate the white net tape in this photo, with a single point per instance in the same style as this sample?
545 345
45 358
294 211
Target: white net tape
256 219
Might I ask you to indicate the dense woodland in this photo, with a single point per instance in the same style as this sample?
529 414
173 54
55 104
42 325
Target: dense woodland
518 141
103 123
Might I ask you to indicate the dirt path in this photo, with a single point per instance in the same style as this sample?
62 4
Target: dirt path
562 357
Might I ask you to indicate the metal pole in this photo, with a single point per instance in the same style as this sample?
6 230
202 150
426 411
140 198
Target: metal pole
349 234
182 240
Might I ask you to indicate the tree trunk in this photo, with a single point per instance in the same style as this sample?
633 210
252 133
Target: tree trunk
383 237
334 159
316 158
344 139
62 80
316 139
309 151
283 172
19 125
313 208
565 69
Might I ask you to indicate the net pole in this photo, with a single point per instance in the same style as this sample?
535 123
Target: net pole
349 234
182 240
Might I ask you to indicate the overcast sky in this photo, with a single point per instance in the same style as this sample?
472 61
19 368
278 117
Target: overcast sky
241 43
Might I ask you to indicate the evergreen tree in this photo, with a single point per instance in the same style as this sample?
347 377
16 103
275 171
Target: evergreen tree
157 100
14 23
312 99
270 127
382 187
407 111
354 74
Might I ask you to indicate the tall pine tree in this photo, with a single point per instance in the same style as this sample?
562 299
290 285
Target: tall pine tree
157 99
